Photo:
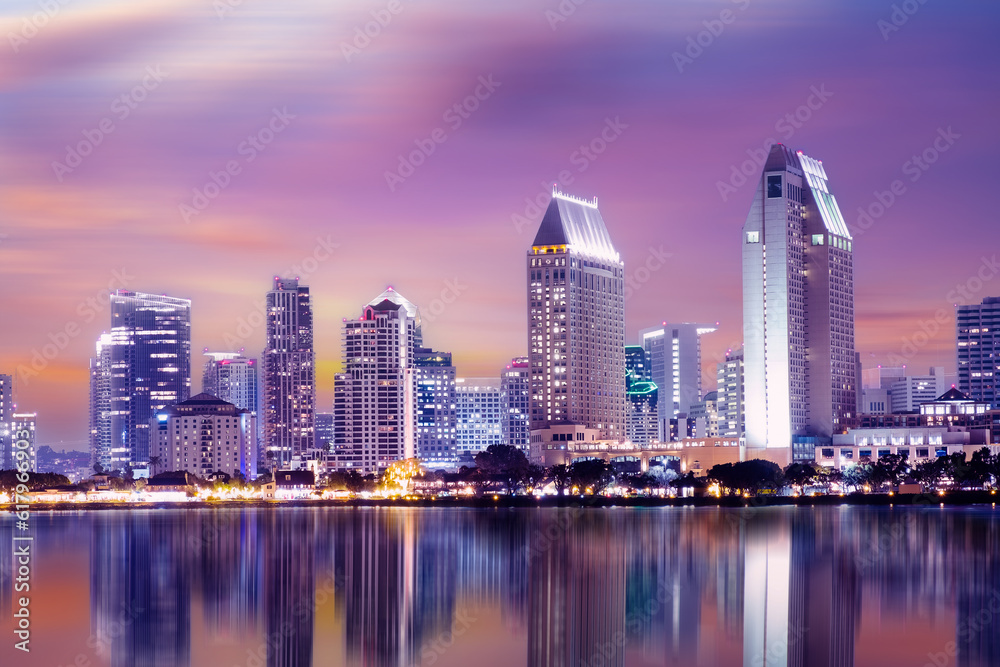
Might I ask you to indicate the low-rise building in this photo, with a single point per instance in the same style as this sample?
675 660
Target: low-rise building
917 444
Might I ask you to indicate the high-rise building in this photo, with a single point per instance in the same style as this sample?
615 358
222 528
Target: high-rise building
642 408
798 308
6 410
232 377
576 320
373 398
434 396
515 385
730 399
675 365
22 437
150 368
203 435
479 416
289 370
978 344
101 443
324 432
705 414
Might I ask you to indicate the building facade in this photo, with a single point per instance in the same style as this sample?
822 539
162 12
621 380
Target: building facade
101 454
374 418
289 374
148 357
729 395
233 378
978 349
434 395
642 423
515 385
479 416
203 435
675 364
6 410
576 320
798 306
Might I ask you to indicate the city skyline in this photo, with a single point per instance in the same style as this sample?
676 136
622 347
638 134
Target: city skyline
669 170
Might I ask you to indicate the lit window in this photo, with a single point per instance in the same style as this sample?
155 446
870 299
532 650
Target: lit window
753 237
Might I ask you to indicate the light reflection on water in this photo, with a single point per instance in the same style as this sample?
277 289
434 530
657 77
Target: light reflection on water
592 588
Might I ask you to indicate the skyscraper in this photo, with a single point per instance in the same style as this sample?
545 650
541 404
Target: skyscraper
289 373
150 368
515 385
233 378
978 345
434 396
576 320
6 410
731 401
100 408
798 307
642 395
675 364
373 398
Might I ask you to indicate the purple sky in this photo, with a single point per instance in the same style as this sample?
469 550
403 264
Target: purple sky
181 90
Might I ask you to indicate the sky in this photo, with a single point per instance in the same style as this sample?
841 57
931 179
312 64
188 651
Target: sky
199 148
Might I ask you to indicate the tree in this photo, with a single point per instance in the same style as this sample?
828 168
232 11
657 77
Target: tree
593 474
800 474
858 475
560 477
747 476
889 469
154 463
506 462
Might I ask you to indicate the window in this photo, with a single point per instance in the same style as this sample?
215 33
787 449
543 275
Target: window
921 452
817 239
753 237
827 453
774 186
846 454
884 452
865 454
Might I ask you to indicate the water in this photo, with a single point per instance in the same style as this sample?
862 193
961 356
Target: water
873 587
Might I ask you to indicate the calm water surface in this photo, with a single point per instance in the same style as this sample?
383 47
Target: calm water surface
810 587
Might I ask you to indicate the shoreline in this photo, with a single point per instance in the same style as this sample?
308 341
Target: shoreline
951 498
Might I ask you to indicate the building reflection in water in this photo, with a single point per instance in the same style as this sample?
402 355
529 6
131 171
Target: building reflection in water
577 607
289 586
780 587
141 588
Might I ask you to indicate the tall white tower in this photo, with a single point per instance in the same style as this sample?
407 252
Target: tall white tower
798 307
